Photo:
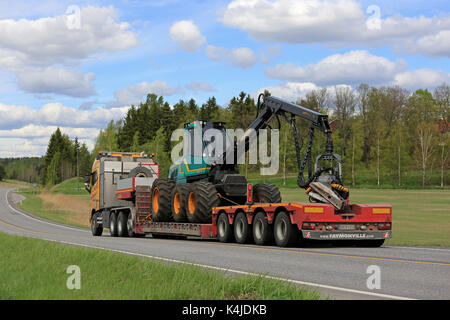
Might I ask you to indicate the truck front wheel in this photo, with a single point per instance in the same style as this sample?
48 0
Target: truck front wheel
285 232
97 229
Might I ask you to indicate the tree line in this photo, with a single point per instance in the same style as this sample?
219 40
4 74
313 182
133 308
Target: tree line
386 135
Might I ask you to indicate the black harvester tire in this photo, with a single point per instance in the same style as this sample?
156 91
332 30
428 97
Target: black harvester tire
266 193
262 230
140 172
285 233
161 199
97 229
224 229
122 230
202 197
179 200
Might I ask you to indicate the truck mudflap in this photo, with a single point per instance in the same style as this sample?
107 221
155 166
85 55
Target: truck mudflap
348 235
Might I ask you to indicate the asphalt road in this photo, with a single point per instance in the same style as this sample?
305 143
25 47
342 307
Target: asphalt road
339 272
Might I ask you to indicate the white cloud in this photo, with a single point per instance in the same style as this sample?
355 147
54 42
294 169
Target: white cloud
334 22
290 91
135 93
60 81
199 86
352 68
55 114
421 78
47 41
187 35
239 57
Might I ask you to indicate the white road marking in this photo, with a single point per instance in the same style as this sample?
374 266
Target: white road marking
311 284
39 220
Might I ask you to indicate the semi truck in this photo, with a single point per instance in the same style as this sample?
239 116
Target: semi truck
206 198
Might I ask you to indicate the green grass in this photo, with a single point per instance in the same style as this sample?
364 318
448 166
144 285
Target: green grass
72 186
35 205
420 217
36 269
363 179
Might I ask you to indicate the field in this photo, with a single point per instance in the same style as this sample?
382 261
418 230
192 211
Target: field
420 217
24 261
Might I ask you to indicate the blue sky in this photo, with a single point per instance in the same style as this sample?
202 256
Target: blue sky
80 76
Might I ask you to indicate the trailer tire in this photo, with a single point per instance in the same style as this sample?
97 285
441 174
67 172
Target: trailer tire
122 229
224 231
285 233
130 226
97 229
266 193
161 199
262 230
113 224
140 172
202 197
179 202
242 230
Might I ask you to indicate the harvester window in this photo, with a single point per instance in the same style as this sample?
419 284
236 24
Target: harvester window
94 177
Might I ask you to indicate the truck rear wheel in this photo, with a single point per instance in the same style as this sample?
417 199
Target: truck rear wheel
370 243
224 230
97 229
285 233
262 230
130 226
161 199
202 197
122 230
113 224
179 202
242 230
266 193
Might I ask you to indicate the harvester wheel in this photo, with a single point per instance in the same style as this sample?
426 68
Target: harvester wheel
242 230
202 197
122 224
262 230
285 232
97 229
161 199
266 193
179 202
224 230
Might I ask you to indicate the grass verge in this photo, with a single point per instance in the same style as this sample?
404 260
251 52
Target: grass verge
35 204
420 217
36 269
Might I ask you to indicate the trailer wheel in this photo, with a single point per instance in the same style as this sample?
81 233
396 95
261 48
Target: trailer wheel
266 193
262 230
113 224
179 202
224 231
97 229
122 229
242 230
202 197
285 233
161 199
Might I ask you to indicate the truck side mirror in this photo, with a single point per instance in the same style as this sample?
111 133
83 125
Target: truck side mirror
86 186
